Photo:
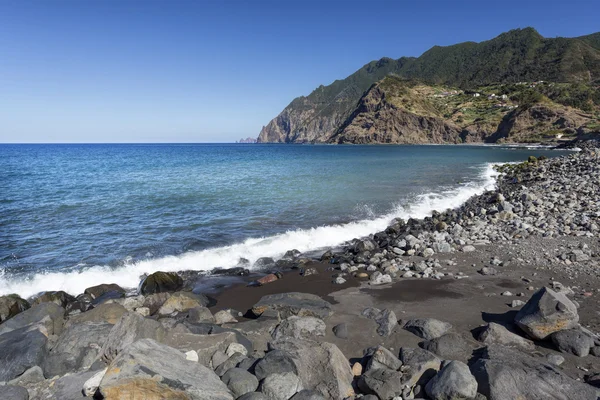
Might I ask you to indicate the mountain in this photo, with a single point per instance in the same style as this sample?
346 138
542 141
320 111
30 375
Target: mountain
332 113
247 140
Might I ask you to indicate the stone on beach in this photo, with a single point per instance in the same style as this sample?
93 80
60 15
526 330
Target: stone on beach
299 327
47 316
150 370
504 373
453 382
182 301
21 349
419 366
294 303
11 392
159 282
574 341
321 366
383 382
427 328
450 346
77 348
545 313
11 305
383 358
497 334
240 381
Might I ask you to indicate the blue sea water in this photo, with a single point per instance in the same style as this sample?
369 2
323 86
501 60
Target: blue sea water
72 216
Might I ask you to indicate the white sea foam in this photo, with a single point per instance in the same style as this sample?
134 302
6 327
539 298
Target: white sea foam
128 276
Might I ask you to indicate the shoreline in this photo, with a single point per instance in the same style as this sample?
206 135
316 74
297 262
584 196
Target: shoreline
446 287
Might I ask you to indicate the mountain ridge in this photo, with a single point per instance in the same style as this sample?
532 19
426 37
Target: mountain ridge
514 56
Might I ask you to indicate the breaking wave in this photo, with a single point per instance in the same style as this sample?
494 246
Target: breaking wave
128 275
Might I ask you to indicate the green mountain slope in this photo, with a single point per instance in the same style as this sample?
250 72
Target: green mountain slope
520 55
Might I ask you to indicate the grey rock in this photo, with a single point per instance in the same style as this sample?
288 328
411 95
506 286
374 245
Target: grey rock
10 392
69 387
497 334
90 386
341 330
289 304
427 328
224 317
321 366
383 358
545 313
240 381
299 327
273 362
308 395
218 358
573 341
109 313
182 301
488 271
11 305
371 312
21 349
504 373
453 382
59 298
155 301
32 375
555 359
148 369
377 278
101 290
450 346
50 316
419 366
253 396
199 314
386 322
383 382
130 328
77 348
281 386
231 362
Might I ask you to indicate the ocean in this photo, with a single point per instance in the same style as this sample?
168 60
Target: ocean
73 216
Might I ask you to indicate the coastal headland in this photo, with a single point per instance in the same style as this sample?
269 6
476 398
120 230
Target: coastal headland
496 299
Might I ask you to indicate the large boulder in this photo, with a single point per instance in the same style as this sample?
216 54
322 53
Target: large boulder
273 362
573 341
240 381
308 395
21 349
383 382
545 313
60 298
10 392
299 327
160 282
380 357
495 333
281 386
321 366
418 366
130 328
289 304
182 301
149 370
48 316
109 313
427 328
504 373
387 322
450 346
77 348
453 382
11 305
100 290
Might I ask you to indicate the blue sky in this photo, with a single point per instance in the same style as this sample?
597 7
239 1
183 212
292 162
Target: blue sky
216 71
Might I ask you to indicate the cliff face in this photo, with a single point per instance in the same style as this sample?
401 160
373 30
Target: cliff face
378 120
332 113
540 122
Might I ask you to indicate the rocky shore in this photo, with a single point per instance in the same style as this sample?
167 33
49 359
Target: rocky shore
494 300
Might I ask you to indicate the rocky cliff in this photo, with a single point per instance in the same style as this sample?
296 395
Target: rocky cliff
340 112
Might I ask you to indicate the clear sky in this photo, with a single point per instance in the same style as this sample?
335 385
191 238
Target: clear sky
216 71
